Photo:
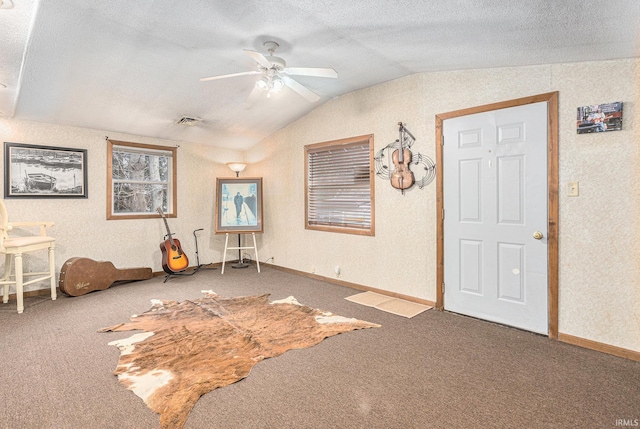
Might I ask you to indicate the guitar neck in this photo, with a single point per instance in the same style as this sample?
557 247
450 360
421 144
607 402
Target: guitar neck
166 225
169 235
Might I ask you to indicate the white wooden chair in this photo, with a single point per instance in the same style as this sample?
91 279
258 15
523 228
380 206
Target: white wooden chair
14 247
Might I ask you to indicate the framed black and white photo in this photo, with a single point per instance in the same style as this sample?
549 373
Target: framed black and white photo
32 171
239 205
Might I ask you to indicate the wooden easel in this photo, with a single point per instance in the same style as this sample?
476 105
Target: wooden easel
227 248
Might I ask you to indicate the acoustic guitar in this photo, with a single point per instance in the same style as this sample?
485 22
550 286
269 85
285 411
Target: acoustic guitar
79 276
173 258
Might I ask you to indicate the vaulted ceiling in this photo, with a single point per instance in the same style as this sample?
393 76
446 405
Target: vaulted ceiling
135 66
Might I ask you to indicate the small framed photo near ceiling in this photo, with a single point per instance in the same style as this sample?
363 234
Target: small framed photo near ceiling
239 205
599 118
32 171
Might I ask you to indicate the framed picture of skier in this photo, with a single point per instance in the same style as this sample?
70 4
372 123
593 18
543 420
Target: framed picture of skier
33 171
239 205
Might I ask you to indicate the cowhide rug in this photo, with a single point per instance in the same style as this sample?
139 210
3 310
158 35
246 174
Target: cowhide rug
190 348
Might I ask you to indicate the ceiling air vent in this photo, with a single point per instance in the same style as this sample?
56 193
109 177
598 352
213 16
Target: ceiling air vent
188 121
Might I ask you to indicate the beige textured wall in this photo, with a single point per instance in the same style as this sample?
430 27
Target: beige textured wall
599 293
81 228
599 230
599 268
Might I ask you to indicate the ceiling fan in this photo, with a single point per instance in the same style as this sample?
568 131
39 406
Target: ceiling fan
276 75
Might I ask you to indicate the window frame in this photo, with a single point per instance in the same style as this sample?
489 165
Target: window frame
171 182
341 144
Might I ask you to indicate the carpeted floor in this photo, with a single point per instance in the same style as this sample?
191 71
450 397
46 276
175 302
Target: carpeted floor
434 370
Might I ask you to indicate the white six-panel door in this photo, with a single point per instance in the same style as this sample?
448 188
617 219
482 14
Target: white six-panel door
495 216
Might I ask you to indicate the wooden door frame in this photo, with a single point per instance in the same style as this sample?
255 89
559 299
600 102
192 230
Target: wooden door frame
552 189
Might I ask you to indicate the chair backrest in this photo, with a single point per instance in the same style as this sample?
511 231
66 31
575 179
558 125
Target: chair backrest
3 216
4 220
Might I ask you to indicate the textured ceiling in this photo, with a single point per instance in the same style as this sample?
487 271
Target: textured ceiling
134 66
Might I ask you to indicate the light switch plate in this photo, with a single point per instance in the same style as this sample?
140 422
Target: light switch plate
573 189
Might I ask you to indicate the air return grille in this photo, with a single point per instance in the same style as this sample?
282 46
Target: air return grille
188 121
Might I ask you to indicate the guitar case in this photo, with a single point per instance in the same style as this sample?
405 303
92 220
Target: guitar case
79 276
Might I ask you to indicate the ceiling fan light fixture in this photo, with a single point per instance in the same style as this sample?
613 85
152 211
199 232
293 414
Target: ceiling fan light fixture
277 84
263 84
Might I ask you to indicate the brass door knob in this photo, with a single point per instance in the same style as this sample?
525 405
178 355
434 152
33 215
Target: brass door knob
538 235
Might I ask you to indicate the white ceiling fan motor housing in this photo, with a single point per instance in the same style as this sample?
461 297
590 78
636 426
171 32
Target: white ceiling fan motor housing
277 63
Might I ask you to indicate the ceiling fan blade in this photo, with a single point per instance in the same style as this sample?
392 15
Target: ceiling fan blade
259 58
311 71
224 76
300 89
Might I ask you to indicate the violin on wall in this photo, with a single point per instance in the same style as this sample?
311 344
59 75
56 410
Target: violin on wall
402 177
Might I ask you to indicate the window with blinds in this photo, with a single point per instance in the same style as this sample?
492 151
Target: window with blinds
339 186
140 179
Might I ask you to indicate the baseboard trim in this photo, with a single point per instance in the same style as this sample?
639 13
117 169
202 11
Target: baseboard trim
354 285
600 347
36 292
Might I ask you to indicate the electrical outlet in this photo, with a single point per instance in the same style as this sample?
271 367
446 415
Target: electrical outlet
573 189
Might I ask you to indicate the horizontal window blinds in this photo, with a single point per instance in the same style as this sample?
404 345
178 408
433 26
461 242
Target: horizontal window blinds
339 187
